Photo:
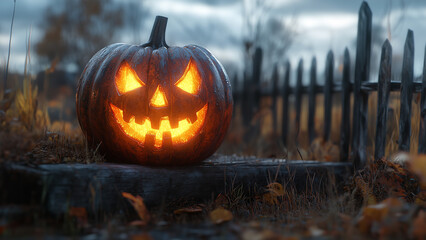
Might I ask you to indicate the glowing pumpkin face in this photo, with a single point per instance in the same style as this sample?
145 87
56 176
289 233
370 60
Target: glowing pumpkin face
155 126
154 104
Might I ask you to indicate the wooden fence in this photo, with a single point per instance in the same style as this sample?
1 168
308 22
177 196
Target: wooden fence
360 88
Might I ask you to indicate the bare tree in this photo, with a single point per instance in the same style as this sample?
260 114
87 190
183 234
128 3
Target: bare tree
80 28
262 28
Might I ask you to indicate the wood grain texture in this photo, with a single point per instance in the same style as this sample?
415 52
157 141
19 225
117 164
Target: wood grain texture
274 98
362 72
328 97
406 95
98 187
422 131
312 102
385 74
298 94
286 105
345 127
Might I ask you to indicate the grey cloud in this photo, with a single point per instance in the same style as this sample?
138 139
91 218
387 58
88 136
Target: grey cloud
214 2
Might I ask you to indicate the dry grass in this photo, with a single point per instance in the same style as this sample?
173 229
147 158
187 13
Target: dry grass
268 142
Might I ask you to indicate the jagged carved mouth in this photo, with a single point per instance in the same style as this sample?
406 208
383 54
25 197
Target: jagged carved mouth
165 135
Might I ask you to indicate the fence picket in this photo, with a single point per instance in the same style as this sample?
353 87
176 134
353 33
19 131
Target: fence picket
298 94
328 97
257 69
355 137
406 94
274 97
362 72
345 126
422 131
385 74
312 103
286 106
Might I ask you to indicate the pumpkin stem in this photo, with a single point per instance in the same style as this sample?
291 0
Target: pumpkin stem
158 33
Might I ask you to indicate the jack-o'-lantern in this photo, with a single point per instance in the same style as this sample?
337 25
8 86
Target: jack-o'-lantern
154 104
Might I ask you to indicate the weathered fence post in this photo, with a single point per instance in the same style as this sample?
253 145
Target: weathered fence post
384 82
285 93
422 131
298 94
274 98
257 69
328 88
406 94
345 127
312 105
245 101
362 71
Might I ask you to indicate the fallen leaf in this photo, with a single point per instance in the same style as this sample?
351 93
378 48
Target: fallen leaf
421 198
315 231
139 206
274 191
221 200
417 165
80 213
276 188
376 213
366 191
191 209
266 234
142 236
220 215
77 212
419 226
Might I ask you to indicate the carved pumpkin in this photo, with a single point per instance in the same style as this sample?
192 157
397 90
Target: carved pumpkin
154 104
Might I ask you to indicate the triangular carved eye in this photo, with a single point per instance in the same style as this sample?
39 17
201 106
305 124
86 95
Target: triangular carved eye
126 79
190 81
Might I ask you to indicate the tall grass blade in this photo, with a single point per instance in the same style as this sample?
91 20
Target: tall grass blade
8 54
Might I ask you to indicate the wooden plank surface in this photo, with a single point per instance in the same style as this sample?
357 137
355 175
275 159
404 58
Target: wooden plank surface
298 95
286 104
406 96
385 74
422 131
328 97
345 127
362 72
98 187
312 102
274 98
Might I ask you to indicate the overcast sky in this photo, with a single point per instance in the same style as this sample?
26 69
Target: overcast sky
217 25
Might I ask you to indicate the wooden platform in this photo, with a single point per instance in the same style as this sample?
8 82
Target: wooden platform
98 187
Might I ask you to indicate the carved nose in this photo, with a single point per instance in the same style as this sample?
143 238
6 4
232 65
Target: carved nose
159 98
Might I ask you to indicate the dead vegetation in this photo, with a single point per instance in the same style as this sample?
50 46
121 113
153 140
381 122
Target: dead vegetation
385 200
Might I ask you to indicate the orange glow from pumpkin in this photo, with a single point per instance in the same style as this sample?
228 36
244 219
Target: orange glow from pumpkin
159 98
190 80
126 79
182 134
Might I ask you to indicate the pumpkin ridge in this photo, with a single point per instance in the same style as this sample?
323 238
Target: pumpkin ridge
92 102
85 86
226 112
